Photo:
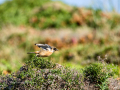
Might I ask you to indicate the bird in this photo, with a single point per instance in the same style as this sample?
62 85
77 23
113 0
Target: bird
46 50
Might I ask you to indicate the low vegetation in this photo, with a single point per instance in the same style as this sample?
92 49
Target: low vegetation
51 14
39 73
83 36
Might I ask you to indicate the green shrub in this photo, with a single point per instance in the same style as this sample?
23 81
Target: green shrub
39 73
98 72
94 73
40 63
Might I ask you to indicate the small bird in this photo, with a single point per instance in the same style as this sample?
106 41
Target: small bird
46 50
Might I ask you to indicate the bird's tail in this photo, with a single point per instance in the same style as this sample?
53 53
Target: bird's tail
31 52
37 52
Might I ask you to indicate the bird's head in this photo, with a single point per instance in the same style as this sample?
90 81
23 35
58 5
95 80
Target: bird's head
55 49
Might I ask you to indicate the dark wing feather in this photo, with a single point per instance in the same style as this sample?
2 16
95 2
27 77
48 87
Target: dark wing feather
44 46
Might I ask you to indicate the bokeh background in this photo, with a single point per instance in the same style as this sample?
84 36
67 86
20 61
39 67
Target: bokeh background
82 30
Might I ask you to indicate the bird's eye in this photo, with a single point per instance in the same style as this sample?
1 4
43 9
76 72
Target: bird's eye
55 49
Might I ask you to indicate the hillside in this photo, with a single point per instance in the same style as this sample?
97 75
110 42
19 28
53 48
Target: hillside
49 14
42 74
85 38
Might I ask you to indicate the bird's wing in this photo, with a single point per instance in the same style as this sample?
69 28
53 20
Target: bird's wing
43 46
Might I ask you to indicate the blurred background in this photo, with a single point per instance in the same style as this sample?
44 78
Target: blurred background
82 30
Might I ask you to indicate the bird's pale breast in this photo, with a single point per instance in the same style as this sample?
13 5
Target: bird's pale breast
45 53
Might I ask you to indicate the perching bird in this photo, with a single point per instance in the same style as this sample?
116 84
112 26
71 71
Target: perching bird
46 50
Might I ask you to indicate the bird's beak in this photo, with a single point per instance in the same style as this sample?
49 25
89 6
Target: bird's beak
57 50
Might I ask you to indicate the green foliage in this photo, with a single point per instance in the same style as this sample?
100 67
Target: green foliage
112 69
5 66
18 12
94 73
114 21
39 76
40 73
40 63
48 14
52 18
22 13
104 85
98 73
5 63
95 21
